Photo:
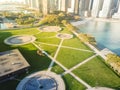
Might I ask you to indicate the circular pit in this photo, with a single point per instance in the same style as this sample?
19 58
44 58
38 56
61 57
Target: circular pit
19 40
64 36
50 28
42 81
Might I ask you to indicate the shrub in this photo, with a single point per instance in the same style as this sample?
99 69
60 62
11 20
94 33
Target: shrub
51 19
87 38
114 61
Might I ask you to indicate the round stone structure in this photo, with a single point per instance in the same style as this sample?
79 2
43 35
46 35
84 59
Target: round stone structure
19 40
50 28
43 80
64 36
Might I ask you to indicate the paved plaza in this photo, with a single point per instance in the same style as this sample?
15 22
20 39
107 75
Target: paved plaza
19 40
50 28
42 80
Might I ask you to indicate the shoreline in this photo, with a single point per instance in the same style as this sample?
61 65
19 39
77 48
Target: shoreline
102 52
107 20
86 20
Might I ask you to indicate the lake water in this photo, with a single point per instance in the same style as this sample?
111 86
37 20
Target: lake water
107 34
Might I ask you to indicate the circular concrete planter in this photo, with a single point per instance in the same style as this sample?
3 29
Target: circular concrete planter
50 28
64 36
43 80
19 40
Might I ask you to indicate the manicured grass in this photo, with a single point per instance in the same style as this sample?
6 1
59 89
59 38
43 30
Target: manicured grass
47 37
45 34
72 84
57 69
28 31
29 52
96 73
64 30
9 85
49 49
76 43
49 40
70 58
37 62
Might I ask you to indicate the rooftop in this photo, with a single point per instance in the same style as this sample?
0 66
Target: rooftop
11 61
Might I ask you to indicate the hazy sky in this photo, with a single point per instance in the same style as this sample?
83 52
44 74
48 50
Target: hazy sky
11 0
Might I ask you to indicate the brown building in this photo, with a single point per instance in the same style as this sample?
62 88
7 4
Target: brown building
12 63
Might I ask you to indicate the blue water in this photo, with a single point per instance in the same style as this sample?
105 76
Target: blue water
107 34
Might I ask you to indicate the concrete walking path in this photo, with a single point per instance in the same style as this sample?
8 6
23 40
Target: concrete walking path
77 49
80 80
47 37
92 47
78 65
50 66
67 47
77 78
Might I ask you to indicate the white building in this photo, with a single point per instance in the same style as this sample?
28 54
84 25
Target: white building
117 14
106 9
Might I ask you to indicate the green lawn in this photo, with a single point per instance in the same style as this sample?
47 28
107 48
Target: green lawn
77 43
29 52
49 40
49 49
45 35
9 85
64 30
72 84
29 31
57 69
37 62
96 73
70 58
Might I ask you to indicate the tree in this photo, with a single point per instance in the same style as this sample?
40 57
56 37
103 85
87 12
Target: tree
87 38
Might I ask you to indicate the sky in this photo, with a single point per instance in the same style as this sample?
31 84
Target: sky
11 0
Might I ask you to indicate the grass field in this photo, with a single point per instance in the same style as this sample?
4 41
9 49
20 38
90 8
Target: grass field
72 84
94 72
72 57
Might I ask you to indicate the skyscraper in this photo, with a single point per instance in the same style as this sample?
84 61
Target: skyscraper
106 9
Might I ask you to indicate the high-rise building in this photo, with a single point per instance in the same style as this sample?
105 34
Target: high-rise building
76 8
106 9
70 6
45 7
96 8
53 5
85 8
117 14
62 5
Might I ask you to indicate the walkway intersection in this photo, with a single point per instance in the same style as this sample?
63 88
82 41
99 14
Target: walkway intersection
66 70
69 71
